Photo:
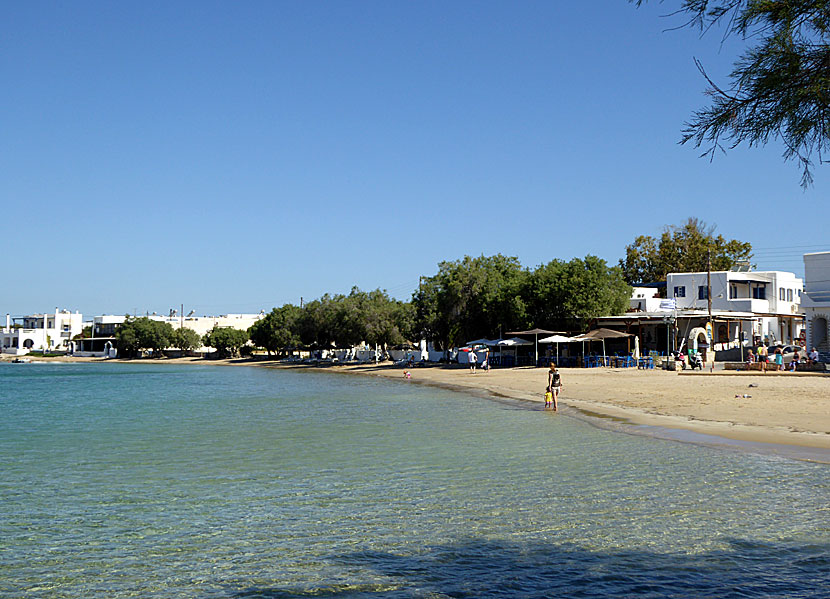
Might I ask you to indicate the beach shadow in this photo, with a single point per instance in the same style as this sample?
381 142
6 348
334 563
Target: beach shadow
473 569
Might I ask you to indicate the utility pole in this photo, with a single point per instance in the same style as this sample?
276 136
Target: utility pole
181 315
709 303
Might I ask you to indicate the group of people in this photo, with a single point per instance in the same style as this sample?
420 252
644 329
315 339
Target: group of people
473 359
775 362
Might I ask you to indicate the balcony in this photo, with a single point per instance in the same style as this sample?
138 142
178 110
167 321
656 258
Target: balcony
760 306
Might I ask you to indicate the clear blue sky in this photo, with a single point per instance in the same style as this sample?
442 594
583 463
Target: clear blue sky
235 156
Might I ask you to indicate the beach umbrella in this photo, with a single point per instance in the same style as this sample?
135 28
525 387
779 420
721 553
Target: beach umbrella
557 339
535 333
513 342
636 348
484 341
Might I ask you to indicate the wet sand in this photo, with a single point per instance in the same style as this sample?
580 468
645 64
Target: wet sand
786 408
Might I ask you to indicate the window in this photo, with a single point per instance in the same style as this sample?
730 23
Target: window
702 292
789 295
733 291
759 292
781 293
680 291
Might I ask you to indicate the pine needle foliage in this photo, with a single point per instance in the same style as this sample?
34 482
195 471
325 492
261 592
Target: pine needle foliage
779 89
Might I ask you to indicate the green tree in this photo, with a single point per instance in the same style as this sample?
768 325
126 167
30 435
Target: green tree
684 248
316 324
563 295
137 334
471 297
778 89
345 320
186 339
226 340
85 333
378 319
277 330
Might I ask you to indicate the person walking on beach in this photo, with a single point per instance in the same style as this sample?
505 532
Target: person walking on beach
763 357
554 386
472 358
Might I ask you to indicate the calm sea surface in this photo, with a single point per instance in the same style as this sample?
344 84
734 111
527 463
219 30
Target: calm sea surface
190 481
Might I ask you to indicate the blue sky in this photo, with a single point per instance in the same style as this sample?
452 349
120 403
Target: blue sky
237 156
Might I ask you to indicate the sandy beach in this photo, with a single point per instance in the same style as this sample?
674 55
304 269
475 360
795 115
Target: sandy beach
783 408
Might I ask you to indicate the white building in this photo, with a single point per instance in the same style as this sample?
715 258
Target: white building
45 332
816 301
105 326
771 298
645 299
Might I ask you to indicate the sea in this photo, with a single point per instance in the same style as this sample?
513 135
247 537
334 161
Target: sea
180 481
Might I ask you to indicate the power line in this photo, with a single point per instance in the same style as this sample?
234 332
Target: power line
791 247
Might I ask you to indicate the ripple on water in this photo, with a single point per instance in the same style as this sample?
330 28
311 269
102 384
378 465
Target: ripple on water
123 481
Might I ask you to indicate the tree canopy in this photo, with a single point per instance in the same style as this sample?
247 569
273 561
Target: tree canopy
278 330
778 89
186 339
137 334
226 340
345 320
684 248
563 295
471 297
489 295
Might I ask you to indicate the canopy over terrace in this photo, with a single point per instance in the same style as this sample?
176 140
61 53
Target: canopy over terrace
536 333
513 342
602 335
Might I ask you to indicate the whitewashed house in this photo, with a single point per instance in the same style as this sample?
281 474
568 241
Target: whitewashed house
771 298
748 308
816 302
45 332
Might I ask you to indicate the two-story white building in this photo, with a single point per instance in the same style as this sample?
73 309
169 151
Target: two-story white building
771 298
46 332
816 301
748 308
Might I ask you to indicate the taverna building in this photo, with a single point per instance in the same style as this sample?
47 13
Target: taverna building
46 332
747 308
769 302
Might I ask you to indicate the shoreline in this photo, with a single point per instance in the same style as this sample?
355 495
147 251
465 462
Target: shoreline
790 411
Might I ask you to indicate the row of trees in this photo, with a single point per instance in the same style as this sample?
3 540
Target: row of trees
343 320
473 297
490 295
139 334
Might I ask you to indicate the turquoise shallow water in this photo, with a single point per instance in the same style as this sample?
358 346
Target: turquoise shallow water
190 481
